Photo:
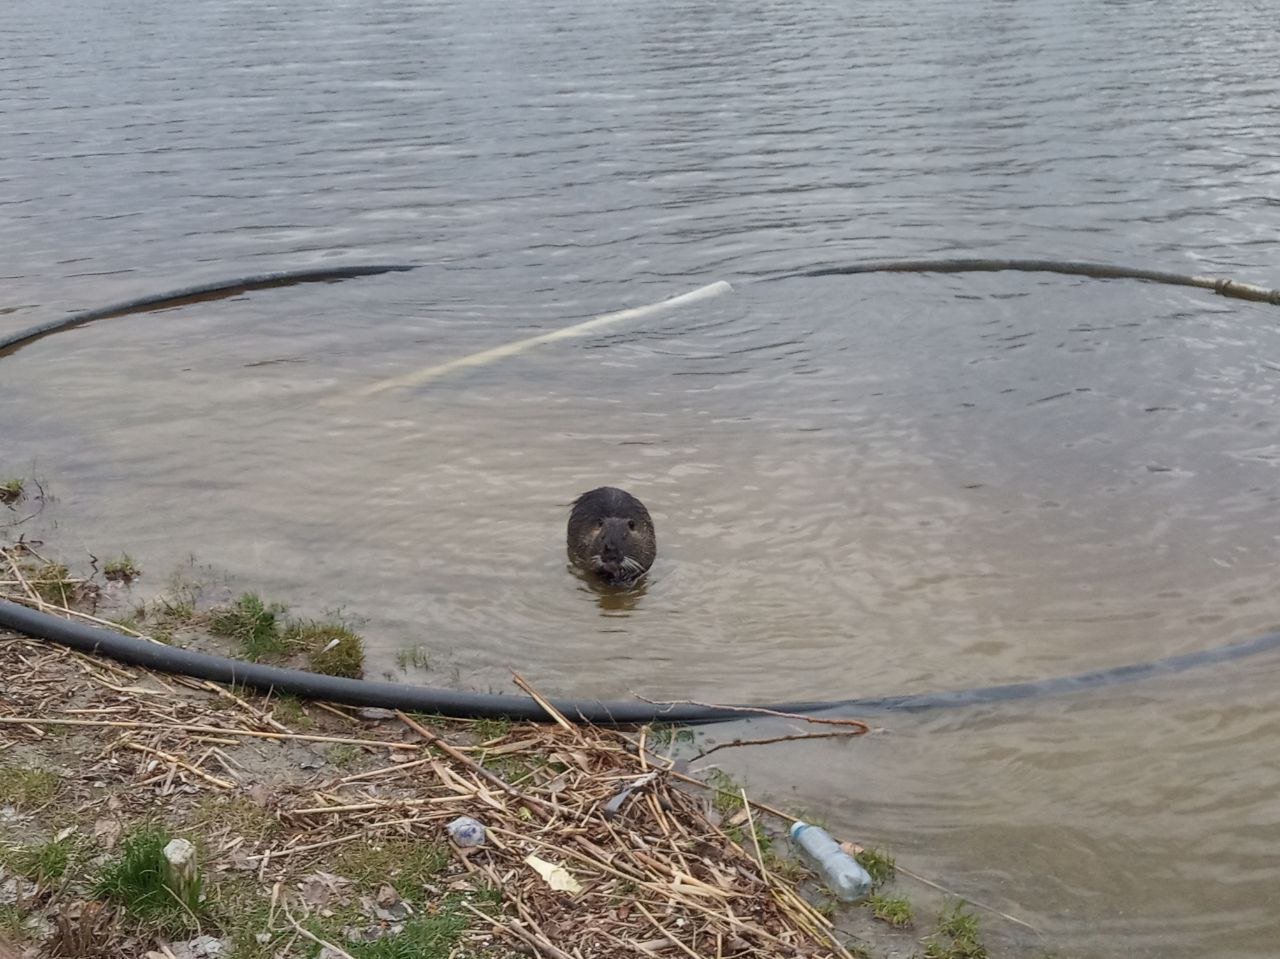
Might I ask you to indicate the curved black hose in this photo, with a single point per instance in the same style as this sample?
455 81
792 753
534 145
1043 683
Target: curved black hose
446 702
12 342
1101 271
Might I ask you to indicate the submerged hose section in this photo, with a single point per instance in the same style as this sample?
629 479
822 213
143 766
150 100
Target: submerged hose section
219 289
447 702
1101 271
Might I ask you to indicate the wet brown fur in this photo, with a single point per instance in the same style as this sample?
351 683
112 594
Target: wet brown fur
611 535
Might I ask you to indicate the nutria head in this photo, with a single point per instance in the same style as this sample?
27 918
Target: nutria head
611 535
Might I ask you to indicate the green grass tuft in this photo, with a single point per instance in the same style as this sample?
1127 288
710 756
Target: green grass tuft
332 648
896 911
344 754
13 922
880 866
665 735
26 787
727 798
136 880
416 657
253 624
290 711
12 490
491 730
46 862
957 936
54 584
121 569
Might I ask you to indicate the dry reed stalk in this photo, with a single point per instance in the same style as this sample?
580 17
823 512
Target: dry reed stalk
214 730
175 761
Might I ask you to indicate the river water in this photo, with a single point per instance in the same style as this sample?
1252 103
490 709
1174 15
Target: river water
862 485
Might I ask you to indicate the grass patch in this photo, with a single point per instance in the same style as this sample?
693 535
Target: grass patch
407 864
254 625
176 608
332 648
515 769
743 837
344 754
880 866
243 912
727 798
415 657
666 735
45 863
957 936
25 786
491 730
424 936
54 583
290 712
785 867
12 490
137 881
13 922
238 814
121 569
895 910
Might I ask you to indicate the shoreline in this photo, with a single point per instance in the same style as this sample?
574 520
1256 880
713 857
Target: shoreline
313 821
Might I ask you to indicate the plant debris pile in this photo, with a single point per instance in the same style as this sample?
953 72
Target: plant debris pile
326 828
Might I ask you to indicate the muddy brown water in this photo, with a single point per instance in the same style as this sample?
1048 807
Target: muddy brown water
861 485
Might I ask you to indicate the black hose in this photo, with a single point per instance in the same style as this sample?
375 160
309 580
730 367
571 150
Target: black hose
12 342
446 702
1101 271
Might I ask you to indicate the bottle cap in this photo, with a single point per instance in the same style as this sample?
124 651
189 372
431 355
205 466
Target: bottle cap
796 828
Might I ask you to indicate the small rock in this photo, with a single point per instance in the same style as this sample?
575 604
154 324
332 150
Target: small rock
387 895
375 713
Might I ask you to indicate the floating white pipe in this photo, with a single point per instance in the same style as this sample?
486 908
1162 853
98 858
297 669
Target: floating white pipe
519 346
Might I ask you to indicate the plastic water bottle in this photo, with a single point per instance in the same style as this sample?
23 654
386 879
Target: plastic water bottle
839 871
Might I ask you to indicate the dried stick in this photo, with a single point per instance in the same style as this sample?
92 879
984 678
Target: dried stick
520 933
776 739
759 710
323 944
551 711
174 760
469 763
666 932
216 730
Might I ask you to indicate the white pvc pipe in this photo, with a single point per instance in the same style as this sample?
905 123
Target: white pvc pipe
519 346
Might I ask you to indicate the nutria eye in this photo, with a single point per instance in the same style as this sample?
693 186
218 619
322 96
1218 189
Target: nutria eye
631 524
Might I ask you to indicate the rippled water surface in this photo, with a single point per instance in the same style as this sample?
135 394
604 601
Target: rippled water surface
861 485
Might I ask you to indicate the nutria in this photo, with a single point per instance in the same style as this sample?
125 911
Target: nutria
611 535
